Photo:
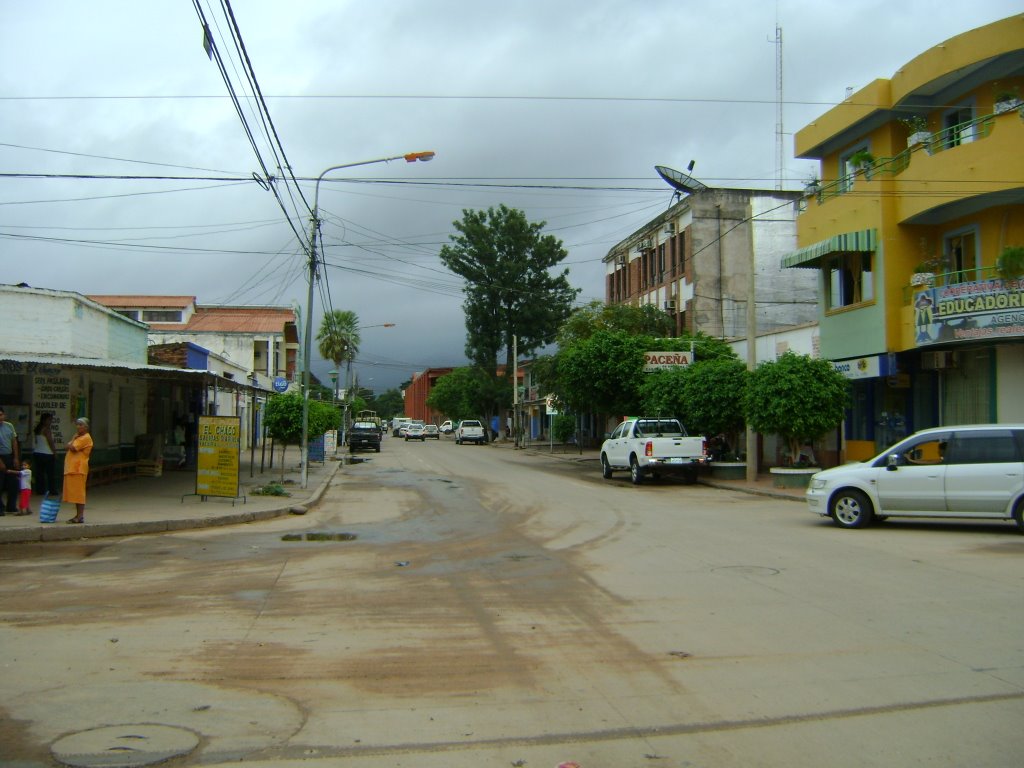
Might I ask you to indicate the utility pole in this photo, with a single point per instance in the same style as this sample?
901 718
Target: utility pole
751 350
515 391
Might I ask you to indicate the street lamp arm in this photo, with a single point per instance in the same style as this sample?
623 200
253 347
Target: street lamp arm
410 157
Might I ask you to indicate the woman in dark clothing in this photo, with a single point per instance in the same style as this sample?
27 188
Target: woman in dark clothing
44 475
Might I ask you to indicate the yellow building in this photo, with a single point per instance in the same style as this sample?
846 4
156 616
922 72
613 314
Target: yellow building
921 191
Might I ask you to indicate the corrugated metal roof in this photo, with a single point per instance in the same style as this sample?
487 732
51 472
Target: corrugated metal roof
39 364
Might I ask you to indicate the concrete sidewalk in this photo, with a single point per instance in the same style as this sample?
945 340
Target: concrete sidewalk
169 503
763 486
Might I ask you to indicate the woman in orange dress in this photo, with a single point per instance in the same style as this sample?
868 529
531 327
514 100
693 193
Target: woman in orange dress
76 468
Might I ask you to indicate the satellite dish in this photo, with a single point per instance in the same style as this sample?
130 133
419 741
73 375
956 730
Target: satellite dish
681 182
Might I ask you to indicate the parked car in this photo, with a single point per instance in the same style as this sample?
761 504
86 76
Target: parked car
431 430
470 431
447 427
972 471
363 434
653 447
415 432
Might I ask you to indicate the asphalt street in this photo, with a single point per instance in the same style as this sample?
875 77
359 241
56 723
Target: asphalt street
442 605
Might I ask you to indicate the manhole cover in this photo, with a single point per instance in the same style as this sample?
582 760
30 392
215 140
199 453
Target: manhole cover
318 537
124 746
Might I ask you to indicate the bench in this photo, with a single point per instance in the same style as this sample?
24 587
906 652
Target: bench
111 473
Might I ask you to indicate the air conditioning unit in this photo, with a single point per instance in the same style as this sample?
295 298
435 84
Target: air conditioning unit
937 361
670 305
670 229
645 245
620 261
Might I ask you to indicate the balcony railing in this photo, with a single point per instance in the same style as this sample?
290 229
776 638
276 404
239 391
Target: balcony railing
943 279
946 139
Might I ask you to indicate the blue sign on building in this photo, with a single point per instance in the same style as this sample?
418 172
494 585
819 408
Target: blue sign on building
280 384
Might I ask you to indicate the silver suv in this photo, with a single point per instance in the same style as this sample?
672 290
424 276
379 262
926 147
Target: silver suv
966 472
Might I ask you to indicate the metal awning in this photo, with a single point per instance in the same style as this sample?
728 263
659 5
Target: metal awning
22 363
862 241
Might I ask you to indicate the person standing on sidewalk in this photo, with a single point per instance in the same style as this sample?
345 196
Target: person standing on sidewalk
76 468
10 455
24 476
44 456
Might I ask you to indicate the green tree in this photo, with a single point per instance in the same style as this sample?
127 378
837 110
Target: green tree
467 393
510 288
797 398
389 404
283 419
603 373
338 338
563 427
646 320
707 395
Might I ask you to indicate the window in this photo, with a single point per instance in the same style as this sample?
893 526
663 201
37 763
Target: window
849 280
987 447
961 253
922 450
959 127
661 262
161 315
848 170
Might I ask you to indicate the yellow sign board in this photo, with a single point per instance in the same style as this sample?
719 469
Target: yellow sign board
220 440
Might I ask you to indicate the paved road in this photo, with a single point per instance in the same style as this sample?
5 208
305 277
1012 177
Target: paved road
469 605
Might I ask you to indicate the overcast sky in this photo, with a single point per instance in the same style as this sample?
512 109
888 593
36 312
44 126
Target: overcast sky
561 108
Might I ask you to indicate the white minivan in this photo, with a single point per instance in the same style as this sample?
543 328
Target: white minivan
972 471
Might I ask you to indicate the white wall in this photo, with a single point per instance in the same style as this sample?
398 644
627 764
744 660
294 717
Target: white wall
1009 374
42 321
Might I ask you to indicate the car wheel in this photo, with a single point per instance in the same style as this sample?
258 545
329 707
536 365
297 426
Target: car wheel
1018 515
636 472
851 508
378 449
606 468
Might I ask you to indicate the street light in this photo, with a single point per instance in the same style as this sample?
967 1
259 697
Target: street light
410 157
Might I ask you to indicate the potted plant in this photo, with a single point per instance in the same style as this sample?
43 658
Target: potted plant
917 130
800 399
1007 99
1010 264
924 272
862 160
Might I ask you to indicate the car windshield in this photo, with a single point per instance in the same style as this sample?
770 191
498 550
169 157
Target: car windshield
663 427
364 425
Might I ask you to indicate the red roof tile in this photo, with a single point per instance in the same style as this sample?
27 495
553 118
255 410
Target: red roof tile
115 301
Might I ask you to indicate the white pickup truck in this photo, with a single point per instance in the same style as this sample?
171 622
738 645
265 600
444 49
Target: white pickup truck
652 447
470 431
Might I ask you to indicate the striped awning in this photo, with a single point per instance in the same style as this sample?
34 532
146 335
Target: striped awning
862 241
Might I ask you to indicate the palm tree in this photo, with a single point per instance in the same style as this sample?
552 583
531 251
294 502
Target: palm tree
338 338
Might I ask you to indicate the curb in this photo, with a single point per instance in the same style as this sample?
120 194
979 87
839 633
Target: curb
47 532
753 491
